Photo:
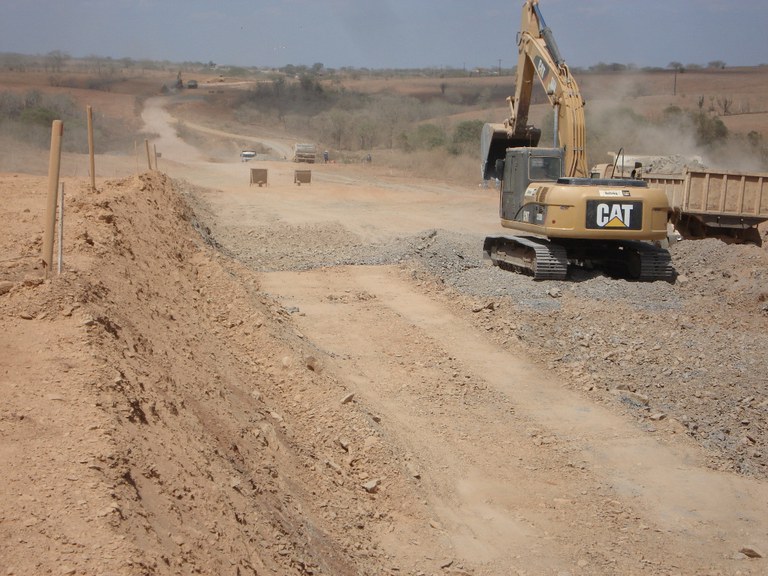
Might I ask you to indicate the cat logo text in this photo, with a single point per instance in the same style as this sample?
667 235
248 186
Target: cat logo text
609 215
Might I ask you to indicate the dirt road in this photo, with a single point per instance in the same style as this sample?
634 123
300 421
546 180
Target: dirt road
519 471
519 474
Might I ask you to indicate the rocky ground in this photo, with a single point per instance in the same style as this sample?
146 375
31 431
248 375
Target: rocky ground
687 356
682 357
162 414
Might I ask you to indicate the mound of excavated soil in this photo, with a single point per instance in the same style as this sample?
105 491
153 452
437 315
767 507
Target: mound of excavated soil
156 416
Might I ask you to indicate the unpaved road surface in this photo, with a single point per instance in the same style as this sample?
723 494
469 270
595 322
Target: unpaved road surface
325 379
514 462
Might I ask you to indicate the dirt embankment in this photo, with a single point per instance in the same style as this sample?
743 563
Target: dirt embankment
148 394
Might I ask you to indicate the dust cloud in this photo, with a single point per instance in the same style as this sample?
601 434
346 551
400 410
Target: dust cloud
697 137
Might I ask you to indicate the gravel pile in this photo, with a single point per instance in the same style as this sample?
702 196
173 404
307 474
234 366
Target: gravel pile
672 164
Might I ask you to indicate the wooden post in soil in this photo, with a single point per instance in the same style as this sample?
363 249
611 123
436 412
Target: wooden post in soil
90 148
61 229
149 156
54 168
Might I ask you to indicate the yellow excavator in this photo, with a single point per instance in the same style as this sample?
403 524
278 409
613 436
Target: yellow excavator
562 217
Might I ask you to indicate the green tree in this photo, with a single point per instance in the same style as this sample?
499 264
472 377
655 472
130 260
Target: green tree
710 130
425 136
468 131
39 116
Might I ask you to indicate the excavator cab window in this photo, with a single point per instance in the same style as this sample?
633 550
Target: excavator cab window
543 168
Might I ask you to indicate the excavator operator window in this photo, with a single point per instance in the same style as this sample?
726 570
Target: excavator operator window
544 168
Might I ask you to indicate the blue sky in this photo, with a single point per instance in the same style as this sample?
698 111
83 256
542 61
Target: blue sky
387 33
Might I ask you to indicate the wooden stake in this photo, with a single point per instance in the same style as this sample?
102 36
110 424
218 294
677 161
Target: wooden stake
149 158
61 228
54 168
90 148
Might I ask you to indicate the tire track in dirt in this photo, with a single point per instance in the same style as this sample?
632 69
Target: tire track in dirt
517 470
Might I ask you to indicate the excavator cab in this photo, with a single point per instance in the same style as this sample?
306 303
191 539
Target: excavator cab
546 168
522 169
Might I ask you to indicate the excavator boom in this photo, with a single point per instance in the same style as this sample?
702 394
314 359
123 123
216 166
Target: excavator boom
539 57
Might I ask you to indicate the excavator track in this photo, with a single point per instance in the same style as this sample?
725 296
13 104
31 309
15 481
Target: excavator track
654 263
545 261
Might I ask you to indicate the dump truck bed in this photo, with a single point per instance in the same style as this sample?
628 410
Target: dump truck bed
715 193
713 203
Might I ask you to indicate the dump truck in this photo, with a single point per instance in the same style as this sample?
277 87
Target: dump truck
705 203
305 153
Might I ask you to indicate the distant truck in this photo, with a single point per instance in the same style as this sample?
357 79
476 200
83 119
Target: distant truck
708 203
192 84
305 153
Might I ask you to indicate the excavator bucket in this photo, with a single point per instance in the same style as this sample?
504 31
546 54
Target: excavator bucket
494 141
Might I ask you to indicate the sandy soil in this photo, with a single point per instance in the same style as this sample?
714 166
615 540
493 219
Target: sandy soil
233 379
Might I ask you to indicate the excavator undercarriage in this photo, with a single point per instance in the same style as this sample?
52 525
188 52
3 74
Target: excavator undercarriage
551 259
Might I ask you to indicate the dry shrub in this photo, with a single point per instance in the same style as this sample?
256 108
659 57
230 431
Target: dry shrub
20 156
437 164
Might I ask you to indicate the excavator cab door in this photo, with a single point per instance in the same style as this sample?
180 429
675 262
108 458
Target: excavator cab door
523 166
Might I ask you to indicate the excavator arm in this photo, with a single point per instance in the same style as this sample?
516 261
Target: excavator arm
539 56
